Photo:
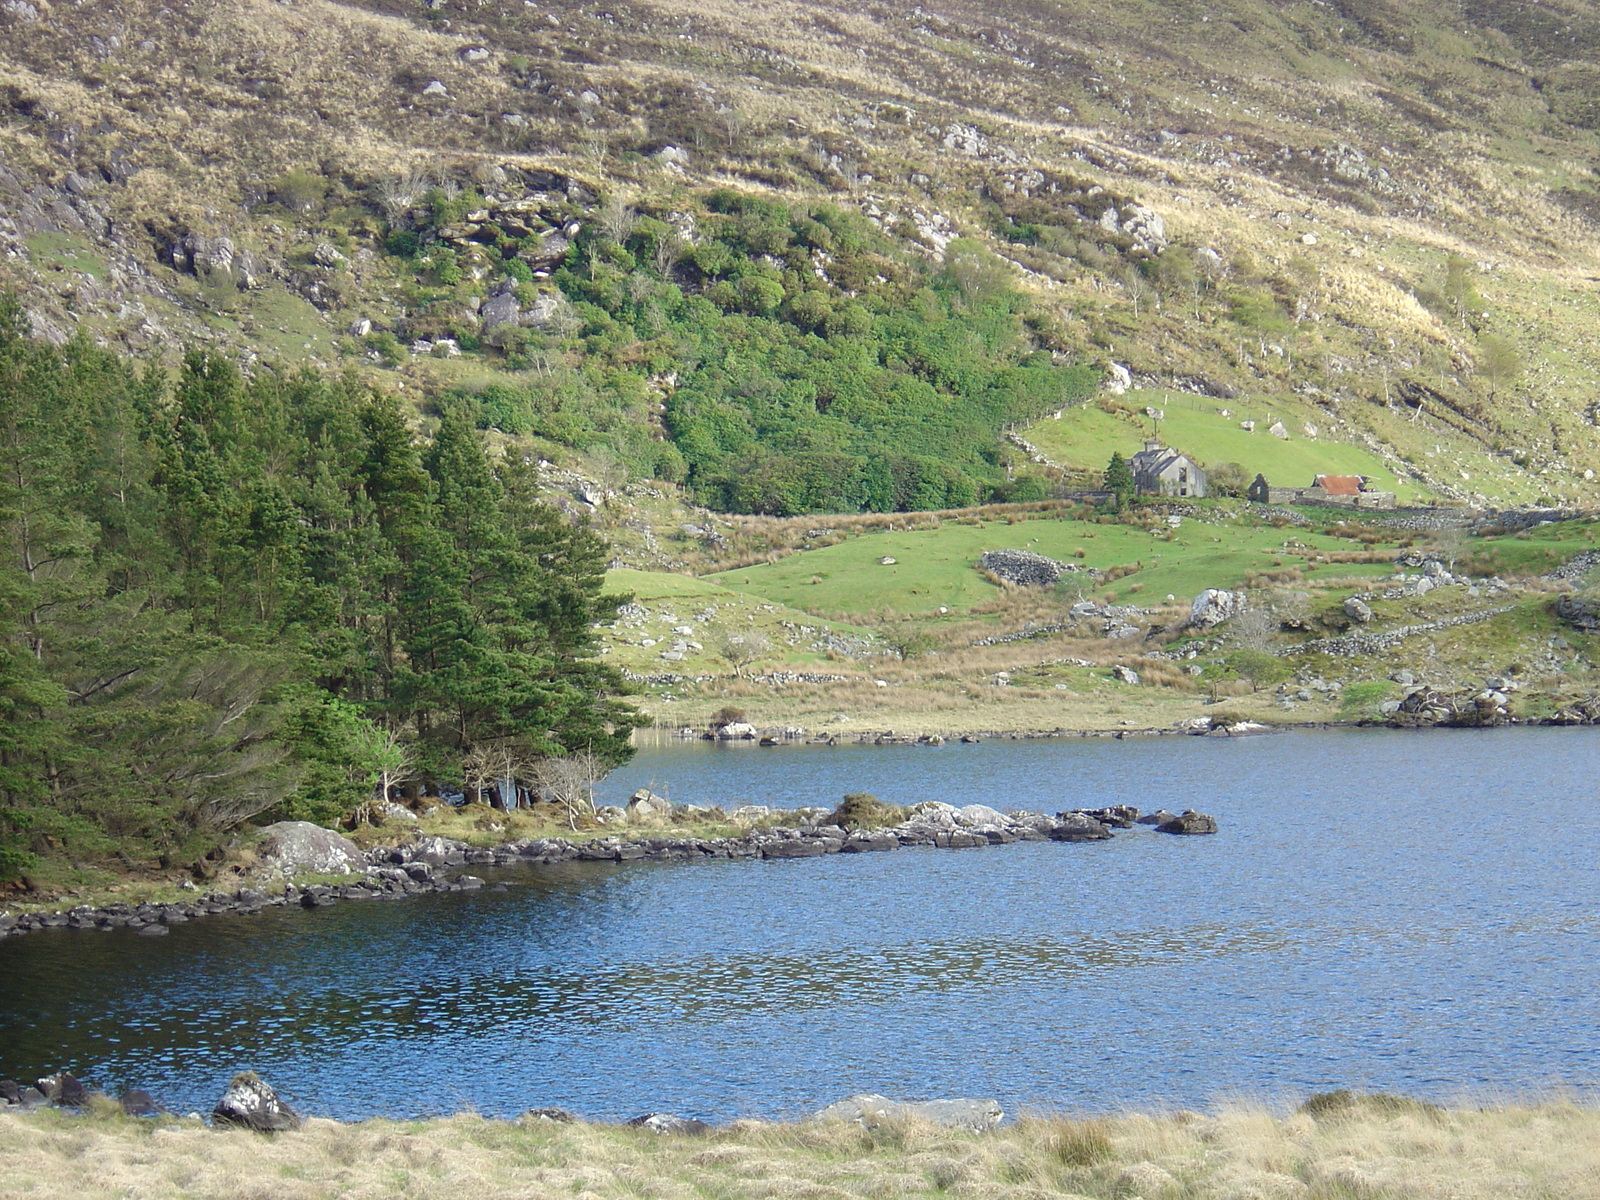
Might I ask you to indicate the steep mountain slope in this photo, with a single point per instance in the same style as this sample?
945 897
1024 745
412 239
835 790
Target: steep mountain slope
1384 211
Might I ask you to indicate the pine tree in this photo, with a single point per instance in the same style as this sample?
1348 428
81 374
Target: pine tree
1119 479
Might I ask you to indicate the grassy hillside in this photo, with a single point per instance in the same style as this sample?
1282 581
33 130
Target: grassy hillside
1377 218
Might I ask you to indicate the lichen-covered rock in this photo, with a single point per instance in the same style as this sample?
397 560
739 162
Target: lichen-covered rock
296 847
499 310
547 1116
1579 612
251 1103
647 808
437 852
1214 606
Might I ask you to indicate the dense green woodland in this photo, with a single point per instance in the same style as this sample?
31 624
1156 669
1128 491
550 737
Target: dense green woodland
223 599
806 362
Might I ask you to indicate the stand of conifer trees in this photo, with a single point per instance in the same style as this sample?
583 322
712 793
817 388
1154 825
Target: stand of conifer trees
223 598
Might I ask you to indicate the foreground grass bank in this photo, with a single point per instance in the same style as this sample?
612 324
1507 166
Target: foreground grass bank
1371 1149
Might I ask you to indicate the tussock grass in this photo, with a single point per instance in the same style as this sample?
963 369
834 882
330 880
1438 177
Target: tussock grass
1366 1148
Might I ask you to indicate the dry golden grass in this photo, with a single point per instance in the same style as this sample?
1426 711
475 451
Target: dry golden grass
1539 1150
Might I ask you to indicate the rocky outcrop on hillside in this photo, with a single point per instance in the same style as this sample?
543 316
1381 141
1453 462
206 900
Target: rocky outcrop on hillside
1579 612
1024 568
1352 645
1214 606
1580 566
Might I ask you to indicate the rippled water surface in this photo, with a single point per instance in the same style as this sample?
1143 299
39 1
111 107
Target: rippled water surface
1381 910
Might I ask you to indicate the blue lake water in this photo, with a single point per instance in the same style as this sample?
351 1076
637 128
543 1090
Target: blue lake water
1384 910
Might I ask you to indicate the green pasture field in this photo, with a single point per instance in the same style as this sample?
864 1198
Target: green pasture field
938 568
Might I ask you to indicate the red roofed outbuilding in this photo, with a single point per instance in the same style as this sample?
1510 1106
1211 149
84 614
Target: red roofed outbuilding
1340 485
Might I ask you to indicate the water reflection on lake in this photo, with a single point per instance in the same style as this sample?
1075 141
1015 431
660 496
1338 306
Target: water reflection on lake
1384 910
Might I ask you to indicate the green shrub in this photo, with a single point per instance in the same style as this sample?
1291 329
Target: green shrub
300 191
863 810
388 348
403 243
505 408
1362 699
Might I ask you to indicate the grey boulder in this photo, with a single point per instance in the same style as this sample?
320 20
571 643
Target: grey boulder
1357 610
437 852
499 310
298 847
645 807
1214 606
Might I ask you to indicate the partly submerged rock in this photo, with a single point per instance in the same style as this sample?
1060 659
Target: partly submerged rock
1119 816
63 1090
251 1103
15 1097
870 1109
1189 821
1075 827
136 1102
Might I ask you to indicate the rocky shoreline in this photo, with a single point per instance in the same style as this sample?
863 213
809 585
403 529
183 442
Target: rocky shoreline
437 864
250 1102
